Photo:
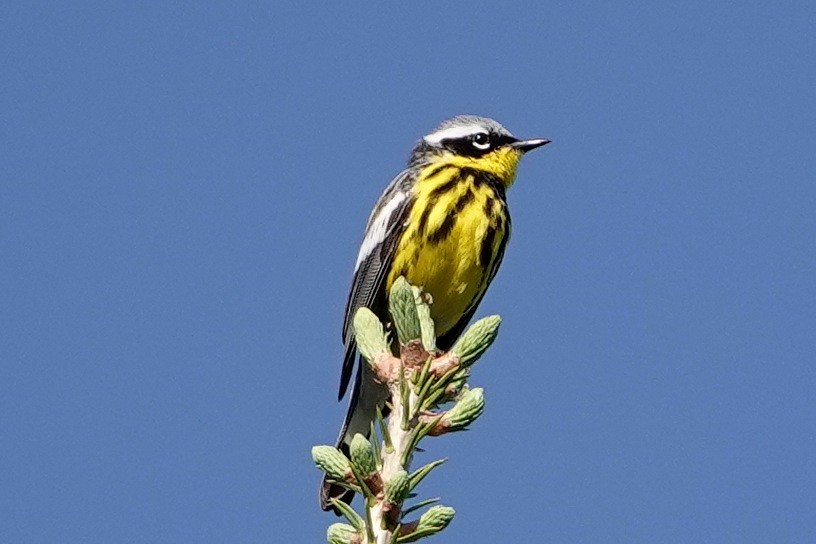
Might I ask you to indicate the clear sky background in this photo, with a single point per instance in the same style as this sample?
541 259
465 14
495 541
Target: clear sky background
183 188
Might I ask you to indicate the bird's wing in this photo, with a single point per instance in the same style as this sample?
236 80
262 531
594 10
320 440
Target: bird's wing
446 341
385 226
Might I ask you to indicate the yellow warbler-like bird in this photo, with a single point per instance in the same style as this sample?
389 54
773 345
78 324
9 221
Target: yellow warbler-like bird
443 224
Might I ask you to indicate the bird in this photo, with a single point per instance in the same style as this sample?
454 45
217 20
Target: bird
443 224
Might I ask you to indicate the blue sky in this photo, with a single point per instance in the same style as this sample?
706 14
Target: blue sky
183 188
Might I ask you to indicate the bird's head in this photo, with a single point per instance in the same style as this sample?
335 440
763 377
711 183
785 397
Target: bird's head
475 142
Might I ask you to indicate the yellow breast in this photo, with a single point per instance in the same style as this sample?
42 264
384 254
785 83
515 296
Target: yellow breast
454 235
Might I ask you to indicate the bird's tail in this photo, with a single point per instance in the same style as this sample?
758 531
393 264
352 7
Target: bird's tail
362 410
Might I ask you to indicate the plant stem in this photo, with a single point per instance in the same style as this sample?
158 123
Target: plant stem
402 408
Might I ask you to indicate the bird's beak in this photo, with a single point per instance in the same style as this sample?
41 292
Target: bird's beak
527 145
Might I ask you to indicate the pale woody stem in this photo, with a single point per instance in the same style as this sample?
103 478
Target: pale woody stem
391 461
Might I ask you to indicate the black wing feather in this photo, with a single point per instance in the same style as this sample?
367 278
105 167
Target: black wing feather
368 284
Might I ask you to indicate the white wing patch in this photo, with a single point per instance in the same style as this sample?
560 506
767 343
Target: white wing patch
453 132
379 228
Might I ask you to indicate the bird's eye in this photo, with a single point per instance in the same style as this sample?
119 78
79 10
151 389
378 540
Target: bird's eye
481 141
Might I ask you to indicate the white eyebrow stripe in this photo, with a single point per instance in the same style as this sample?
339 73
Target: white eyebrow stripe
379 228
453 132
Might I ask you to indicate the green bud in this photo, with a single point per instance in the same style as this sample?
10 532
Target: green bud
466 410
403 307
331 461
397 487
430 523
368 331
473 343
436 518
426 324
362 455
341 533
